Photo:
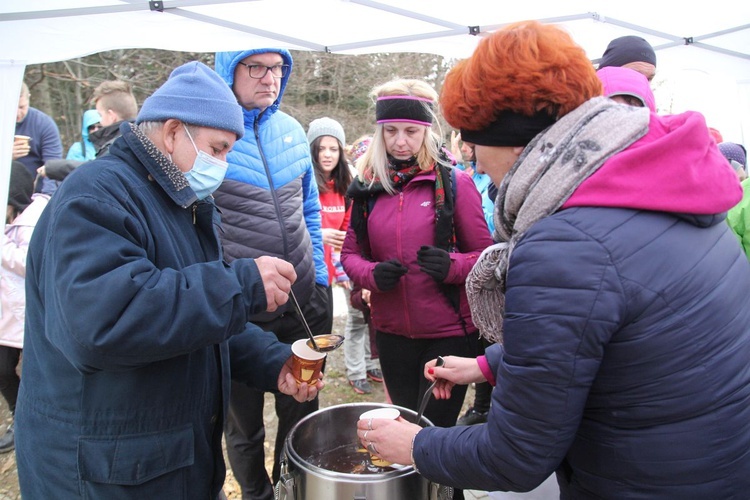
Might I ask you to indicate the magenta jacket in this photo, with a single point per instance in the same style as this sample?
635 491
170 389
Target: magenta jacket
396 228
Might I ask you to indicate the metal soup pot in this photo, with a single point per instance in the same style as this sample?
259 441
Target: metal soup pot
303 477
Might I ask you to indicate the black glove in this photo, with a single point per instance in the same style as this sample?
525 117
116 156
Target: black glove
434 261
388 273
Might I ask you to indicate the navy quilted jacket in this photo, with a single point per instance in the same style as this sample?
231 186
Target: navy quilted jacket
625 366
134 326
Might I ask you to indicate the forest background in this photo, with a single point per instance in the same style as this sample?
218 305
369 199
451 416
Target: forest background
321 84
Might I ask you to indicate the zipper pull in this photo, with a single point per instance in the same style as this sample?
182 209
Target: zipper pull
195 208
400 200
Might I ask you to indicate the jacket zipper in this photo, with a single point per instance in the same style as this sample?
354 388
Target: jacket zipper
277 207
399 248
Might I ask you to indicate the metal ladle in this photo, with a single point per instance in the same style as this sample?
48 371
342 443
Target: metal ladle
426 396
320 343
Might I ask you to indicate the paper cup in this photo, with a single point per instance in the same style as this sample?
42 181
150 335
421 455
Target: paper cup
306 362
22 138
389 413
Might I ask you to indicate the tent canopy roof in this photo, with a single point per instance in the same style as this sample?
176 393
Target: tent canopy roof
714 36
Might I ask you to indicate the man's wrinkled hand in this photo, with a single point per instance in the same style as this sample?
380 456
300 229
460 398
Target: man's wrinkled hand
302 392
278 276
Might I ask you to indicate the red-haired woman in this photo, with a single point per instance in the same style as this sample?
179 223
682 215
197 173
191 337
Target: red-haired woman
617 293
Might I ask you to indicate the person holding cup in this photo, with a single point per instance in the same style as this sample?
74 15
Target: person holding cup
616 294
21 146
332 176
135 324
37 138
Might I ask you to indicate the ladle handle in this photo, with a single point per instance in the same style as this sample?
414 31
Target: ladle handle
426 396
303 320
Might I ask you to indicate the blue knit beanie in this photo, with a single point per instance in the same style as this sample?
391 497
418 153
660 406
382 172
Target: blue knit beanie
195 94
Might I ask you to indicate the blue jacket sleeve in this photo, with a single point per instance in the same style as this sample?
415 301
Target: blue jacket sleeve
256 358
313 221
142 314
564 300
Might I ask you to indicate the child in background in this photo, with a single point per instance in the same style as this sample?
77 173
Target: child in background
22 213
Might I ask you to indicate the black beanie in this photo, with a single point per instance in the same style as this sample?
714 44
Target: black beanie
21 186
627 49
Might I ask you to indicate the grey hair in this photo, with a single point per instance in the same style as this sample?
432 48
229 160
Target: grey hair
149 128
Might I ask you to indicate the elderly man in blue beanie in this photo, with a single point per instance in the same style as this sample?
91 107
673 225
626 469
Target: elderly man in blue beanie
135 323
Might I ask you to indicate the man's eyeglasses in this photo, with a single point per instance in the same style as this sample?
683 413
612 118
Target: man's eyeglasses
258 71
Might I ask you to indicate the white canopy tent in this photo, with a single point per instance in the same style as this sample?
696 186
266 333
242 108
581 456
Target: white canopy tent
711 38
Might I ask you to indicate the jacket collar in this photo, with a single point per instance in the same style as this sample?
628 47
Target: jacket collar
159 166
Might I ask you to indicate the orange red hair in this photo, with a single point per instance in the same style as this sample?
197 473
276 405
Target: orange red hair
526 67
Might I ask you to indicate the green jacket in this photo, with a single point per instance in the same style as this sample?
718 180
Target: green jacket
738 218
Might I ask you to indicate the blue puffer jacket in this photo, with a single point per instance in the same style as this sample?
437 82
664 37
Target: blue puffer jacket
624 366
133 325
270 176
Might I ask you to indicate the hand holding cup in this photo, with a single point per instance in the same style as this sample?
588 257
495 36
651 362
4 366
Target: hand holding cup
21 146
368 416
306 363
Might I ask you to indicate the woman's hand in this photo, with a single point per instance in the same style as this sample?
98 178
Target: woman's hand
455 370
389 439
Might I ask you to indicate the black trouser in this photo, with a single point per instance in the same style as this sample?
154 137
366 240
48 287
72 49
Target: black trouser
245 430
402 361
9 380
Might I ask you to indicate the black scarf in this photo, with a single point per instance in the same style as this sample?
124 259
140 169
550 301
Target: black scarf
364 194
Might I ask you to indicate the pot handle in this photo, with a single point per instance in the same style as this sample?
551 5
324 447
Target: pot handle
440 492
284 489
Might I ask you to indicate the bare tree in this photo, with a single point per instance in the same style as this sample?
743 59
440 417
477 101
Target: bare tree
321 84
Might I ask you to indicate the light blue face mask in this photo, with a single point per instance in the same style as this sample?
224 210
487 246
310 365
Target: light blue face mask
207 173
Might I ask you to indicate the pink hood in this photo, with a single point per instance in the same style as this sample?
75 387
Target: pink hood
625 81
676 167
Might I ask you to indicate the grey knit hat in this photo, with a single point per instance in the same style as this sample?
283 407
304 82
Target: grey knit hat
195 94
326 126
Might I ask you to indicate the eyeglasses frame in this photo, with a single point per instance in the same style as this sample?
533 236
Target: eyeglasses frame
284 69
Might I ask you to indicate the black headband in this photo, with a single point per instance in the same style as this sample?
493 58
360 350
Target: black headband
404 108
509 129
